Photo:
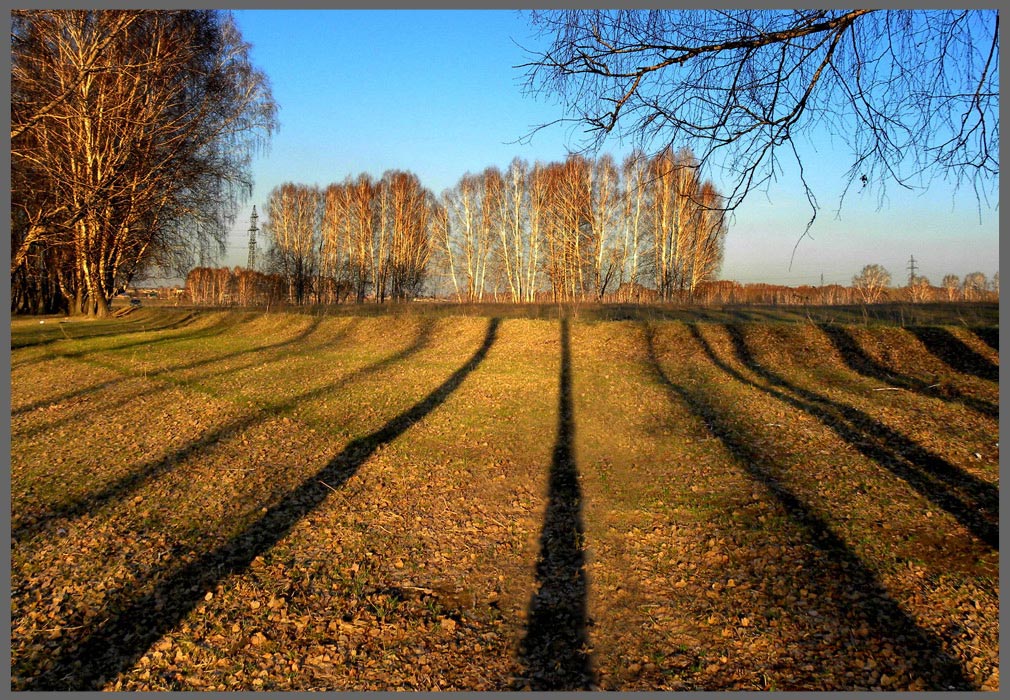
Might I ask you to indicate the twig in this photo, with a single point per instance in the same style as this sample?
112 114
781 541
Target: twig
331 488
65 629
368 526
889 388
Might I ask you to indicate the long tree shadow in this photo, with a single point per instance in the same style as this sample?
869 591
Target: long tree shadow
131 624
554 650
955 352
275 352
859 361
195 364
988 335
971 501
123 486
846 589
57 331
221 325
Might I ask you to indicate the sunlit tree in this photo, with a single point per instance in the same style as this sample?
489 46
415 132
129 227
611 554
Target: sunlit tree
132 134
952 286
975 285
293 227
871 283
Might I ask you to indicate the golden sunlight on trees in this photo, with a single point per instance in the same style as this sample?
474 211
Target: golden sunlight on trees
293 227
221 286
404 224
871 283
589 229
578 230
952 286
975 286
351 237
131 139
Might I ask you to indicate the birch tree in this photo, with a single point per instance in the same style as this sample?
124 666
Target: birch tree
871 282
634 202
293 228
472 247
952 286
127 127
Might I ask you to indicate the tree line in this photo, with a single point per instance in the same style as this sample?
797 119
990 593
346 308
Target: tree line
132 134
579 229
873 284
242 287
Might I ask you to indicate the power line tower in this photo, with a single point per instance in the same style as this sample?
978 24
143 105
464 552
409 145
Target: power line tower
911 271
252 240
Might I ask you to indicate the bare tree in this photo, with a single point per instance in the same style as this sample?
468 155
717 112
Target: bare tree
568 226
920 290
606 203
363 213
975 286
466 240
912 93
293 226
538 189
404 228
493 226
443 258
634 218
871 283
516 247
952 285
336 244
131 136
706 248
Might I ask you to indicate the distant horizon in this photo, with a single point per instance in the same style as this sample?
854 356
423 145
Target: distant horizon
142 283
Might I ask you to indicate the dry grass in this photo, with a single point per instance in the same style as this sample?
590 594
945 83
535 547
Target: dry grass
248 501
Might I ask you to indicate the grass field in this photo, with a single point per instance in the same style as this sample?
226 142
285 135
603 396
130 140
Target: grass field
237 500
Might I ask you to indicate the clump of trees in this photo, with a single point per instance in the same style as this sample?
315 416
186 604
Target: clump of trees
872 285
585 229
579 229
132 134
351 238
240 286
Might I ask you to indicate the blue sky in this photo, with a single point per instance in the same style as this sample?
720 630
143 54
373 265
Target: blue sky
438 93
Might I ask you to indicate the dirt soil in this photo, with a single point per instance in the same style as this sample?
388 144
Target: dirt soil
228 501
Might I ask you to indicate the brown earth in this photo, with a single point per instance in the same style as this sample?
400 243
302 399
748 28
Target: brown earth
247 501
